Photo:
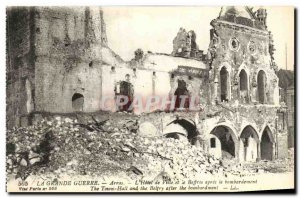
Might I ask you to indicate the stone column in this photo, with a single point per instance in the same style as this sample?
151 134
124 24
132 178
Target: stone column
237 150
215 95
273 151
258 152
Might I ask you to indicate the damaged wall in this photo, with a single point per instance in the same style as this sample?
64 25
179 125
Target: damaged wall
153 77
68 59
56 52
20 75
184 45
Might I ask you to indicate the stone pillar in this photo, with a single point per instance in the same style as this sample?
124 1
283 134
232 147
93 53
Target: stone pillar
205 146
241 151
201 143
273 151
253 95
215 95
237 150
258 152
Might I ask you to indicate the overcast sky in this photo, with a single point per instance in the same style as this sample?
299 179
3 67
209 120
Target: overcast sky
154 28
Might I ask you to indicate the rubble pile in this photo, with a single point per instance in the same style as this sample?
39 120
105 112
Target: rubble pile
62 145
275 166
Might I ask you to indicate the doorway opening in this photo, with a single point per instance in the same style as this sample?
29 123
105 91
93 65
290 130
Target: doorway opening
77 102
182 96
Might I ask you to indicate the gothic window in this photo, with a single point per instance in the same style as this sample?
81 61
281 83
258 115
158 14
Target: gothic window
261 87
243 81
224 84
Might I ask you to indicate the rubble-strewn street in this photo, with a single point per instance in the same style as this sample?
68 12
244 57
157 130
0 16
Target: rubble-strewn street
62 145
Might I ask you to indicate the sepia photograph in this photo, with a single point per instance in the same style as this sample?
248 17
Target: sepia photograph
146 99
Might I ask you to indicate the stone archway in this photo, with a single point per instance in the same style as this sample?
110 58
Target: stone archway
261 86
228 140
249 148
180 128
266 144
77 102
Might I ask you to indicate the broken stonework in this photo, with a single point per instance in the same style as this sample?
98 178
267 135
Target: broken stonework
147 129
184 45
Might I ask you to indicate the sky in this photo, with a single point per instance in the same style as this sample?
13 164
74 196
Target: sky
154 28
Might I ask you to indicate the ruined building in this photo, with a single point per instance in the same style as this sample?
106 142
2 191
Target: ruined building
184 45
287 95
58 61
54 57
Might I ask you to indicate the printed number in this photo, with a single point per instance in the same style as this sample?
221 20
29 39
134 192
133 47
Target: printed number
23 183
52 188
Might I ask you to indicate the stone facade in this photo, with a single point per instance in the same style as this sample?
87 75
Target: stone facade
67 66
243 81
287 96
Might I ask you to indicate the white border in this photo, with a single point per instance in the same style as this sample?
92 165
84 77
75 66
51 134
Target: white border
5 3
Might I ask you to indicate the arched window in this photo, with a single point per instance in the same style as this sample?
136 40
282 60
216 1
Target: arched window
243 80
212 142
77 102
181 128
224 84
261 87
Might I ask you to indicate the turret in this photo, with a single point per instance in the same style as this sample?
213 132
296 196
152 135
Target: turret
262 17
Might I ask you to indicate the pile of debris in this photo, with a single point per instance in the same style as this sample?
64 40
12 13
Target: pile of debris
275 166
62 145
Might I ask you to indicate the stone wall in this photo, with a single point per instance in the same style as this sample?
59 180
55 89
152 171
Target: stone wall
20 75
53 53
282 145
68 51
